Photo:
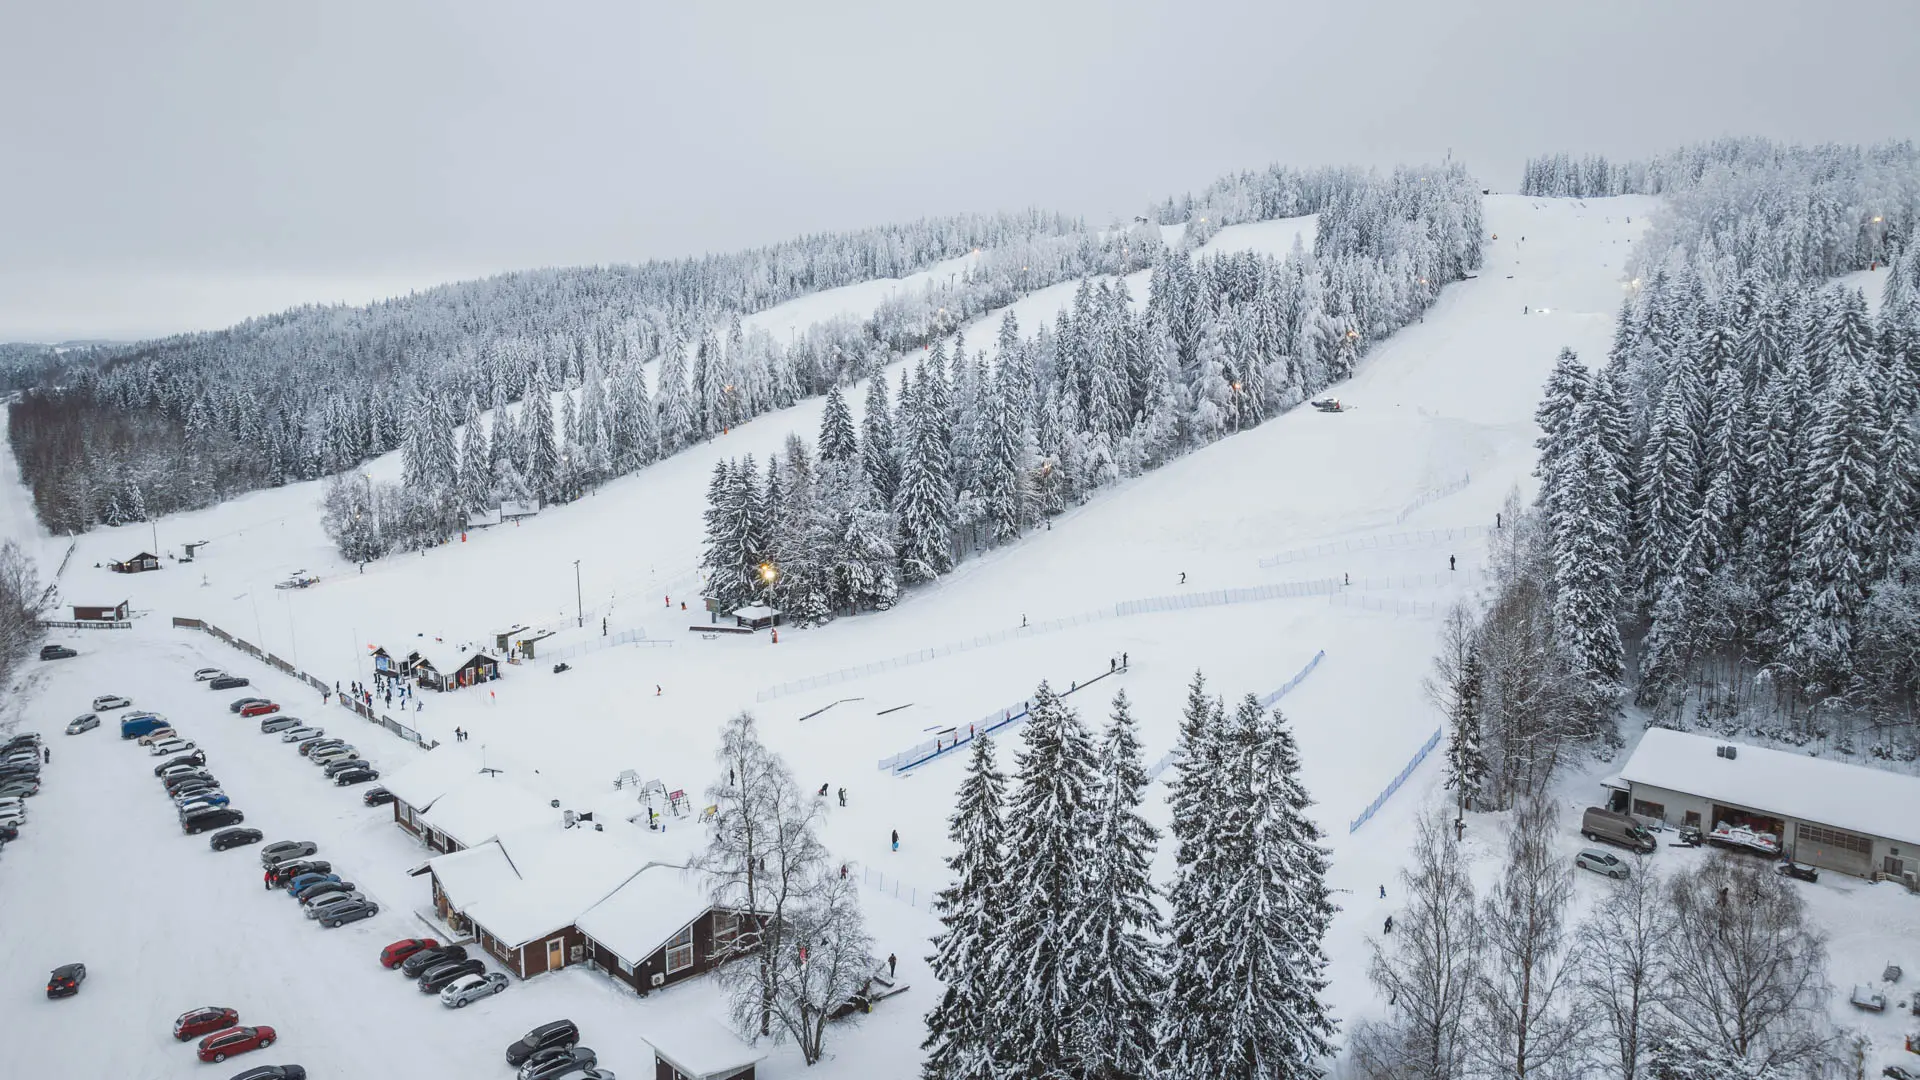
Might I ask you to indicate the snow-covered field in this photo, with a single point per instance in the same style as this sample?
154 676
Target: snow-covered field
102 875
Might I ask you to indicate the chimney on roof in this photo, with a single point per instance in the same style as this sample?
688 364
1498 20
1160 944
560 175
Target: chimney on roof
1729 752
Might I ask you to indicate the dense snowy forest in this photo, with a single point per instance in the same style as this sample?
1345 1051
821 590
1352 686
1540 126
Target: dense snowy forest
1728 518
969 453
1055 956
117 433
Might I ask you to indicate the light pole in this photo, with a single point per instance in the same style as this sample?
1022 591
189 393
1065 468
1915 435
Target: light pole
579 608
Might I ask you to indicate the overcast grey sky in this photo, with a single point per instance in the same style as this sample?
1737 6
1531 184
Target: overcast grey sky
178 165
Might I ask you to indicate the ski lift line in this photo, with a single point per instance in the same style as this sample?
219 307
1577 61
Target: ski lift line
824 708
1416 538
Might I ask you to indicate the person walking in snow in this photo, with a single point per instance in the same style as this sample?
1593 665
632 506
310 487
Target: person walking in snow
893 962
1389 928
1183 577
46 754
896 839
1383 892
843 796
1450 563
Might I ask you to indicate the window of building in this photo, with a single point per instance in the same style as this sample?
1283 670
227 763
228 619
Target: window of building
1643 808
680 951
1834 838
625 968
726 928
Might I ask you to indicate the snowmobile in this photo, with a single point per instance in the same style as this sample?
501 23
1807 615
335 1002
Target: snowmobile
1329 404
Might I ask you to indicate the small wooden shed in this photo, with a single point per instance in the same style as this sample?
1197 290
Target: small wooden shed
756 616
100 612
138 564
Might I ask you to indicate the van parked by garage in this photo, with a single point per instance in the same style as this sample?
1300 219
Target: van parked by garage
135 726
1610 827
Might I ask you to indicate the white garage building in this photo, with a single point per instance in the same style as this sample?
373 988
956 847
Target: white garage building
1847 818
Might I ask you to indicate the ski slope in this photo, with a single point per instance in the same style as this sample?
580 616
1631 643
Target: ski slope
1440 432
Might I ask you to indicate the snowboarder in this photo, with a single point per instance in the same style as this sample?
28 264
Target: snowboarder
1383 892
1023 619
1113 664
1389 924
1123 661
1526 309
893 963
656 689
417 705
823 791
1450 563
1183 577
843 796
669 601
729 777
1496 523
843 869
1346 578
896 839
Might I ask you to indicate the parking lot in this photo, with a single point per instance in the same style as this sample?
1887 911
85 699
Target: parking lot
103 875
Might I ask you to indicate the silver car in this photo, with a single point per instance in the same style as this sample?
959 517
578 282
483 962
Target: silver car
468 988
318 908
301 734
337 753
1602 862
83 723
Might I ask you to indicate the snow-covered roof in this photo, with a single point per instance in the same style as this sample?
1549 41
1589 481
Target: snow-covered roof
481 807
641 915
555 874
700 1047
474 875
423 780
1833 793
445 657
755 611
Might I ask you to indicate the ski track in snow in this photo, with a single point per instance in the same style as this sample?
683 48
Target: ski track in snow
103 876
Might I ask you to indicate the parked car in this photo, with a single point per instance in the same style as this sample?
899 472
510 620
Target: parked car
132 727
396 953
322 906
301 881
470 988
56 652
173 781
9 833
335 768
1603 826
189 804
237 704
420 962
378 796
330 884
324 742
109 701
228 682
281 850
356 776
332 753
1602 862
197 791
83 722
204 1021
13 818
222 1045
548 1035
65 980
218 817
301 732
170 746
556 1062
161 734
273 1072
233 838
338 915
437 978
260 708
21 786
282 872
178 764
273 725
207 673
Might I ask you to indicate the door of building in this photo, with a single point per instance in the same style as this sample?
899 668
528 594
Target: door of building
556 954
1833 849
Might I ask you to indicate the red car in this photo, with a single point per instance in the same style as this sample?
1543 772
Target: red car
222 1045
261 708
204 1021
395 954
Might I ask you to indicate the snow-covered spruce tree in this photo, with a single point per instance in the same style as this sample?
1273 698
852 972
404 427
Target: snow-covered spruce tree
1457 687
838 441
1587 566
879 454
1003 466
542 440
673 402
1117 958
736 533
1568 384
1048 843
1429 969
475 484
925 502
967 952
801 568
504 435
1668 494
1836 533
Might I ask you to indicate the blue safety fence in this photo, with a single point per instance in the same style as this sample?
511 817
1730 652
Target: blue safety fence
954 738
1374 806
1266 702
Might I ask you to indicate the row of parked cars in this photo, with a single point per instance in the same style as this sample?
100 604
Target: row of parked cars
193 789
338 759
20 759
553 1050
447 970
323 895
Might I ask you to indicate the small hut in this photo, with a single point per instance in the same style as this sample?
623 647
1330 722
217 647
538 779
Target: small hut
138 564
756 617
700 1049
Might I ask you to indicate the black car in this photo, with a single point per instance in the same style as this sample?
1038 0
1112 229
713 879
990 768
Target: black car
65 980
347 911
237 704
228 682
233 838
550 1034
213 817
322 888
318 742
191 757
377 796
335 768
356 776
417 965
559 1061
273 1072
435 978
9 833
56 652
283 872
282 850
188 779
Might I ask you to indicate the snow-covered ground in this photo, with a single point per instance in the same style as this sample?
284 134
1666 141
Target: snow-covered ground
1441 430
